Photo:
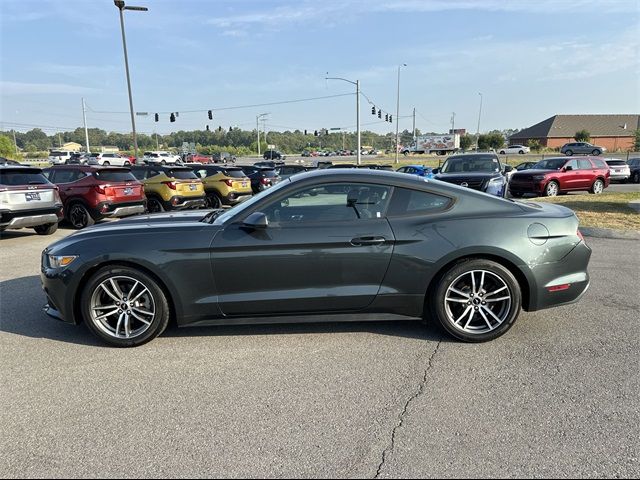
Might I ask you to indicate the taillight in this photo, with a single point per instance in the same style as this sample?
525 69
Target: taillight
171 184
101 189
228 182
265 181
579 234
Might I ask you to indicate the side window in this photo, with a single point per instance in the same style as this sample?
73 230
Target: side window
573 164
67 176
202 173
339 202
139 173
153 173
416 202
584 164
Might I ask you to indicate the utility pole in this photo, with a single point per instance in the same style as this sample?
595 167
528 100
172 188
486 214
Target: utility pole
59 140
479 114
453 123
357 84
398 112
258 128
86 132
14 140
414 125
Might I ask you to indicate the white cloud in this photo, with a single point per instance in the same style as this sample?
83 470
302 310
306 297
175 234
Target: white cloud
538 6
22 88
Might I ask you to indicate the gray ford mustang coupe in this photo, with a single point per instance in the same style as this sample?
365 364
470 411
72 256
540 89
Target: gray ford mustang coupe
330 245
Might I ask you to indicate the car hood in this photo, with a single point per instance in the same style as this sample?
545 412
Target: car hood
455 177
535 171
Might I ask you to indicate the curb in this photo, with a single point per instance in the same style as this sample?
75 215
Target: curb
610 233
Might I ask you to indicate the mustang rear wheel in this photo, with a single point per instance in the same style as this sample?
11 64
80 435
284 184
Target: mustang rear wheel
124 307
477 300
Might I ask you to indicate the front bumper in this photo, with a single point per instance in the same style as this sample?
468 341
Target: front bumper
526 187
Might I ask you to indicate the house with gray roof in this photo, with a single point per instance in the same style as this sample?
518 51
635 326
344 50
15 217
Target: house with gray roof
614 132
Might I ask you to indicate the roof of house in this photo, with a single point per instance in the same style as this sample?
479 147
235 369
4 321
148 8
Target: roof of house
566 126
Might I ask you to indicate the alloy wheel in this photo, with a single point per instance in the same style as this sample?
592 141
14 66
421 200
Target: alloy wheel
598 187
78 216
122 307
477 302
552 189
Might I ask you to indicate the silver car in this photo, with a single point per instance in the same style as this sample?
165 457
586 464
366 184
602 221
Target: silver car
619 171
582 148
28 200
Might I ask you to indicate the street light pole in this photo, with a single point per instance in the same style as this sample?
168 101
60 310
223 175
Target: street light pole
258 129
121 6
357 84
86 132
478 132
398 112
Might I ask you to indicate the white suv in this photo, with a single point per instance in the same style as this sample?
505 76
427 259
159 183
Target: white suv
59 157
109 159
160 158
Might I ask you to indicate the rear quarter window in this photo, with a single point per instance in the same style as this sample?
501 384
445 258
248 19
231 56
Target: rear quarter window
415 202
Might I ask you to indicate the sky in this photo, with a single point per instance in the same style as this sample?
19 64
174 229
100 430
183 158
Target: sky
529 60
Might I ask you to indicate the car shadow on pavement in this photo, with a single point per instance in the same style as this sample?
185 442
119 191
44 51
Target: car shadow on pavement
22 299
21 302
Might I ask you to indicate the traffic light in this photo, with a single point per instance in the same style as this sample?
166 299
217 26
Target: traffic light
373 110
210 115
305 132
386 117
157 117
231 129
207 128
315 133
379 113
172 118
390 118
220 128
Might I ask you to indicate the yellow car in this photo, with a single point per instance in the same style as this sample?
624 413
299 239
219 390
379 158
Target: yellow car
170 188
223 185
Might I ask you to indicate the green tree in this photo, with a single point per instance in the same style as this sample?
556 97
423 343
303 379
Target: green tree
636 145
582 136
466 141
7 148
534 145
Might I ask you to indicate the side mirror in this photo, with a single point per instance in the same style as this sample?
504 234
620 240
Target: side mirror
508 168
435 171
257 220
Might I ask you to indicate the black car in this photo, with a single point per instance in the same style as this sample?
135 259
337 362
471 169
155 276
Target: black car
634 167
269 163
7 161
388 246
261 177
285 171
478 171
223 157
273 155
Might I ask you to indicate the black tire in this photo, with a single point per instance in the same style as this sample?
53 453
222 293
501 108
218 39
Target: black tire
502 152
46 229
213 200
516 194
79 217
569 153
597 187
406 153
106 163
509 309
521 152
162 162
154 205
596 152
127 163
551 189
636 177
160 304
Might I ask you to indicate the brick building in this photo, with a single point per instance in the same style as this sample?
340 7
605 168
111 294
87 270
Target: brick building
614 132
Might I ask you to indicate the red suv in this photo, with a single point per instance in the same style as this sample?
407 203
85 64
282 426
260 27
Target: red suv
552 176
93 193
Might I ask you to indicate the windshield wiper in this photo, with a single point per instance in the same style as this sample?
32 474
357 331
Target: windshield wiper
211 216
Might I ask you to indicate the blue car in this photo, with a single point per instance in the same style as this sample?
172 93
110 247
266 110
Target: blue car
419 170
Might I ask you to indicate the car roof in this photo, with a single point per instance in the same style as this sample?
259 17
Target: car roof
19 168
75 166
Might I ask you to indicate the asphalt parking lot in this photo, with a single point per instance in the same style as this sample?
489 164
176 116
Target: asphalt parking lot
557 396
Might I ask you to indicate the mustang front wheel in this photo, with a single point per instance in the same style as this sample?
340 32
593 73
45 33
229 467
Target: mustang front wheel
124 307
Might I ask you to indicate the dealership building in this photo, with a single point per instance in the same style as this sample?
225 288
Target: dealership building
614 132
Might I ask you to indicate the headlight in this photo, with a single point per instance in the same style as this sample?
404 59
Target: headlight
494 182
538 178
61 261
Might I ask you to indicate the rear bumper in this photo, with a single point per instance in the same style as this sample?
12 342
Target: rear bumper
235 197
570 274
182 203
29 218
116 210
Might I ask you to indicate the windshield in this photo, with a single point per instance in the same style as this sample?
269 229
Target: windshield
476 163
232 212
551 164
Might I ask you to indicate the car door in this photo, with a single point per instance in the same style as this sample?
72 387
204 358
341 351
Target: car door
569 179
326 249
585 176
65 179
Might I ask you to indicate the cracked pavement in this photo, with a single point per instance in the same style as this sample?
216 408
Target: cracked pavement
557 396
